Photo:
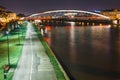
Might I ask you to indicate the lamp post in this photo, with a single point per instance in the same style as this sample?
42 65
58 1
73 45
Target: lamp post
18 34
7 32
22 31
21 28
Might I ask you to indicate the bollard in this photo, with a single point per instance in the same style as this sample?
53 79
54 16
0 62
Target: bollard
6 68
5 74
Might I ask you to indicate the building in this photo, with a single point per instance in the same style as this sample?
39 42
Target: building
11 16
6 16
113 13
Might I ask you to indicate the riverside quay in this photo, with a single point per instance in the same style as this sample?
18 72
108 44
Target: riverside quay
61 45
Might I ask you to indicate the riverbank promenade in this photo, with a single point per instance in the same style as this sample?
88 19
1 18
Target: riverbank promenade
34 63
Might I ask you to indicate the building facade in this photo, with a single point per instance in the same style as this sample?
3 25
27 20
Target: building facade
113 13
6 16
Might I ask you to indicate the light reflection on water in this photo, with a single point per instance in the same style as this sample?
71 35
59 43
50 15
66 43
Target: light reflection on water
90 53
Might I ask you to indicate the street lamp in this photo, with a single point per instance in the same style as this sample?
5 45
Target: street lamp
21 28
7 32
18 34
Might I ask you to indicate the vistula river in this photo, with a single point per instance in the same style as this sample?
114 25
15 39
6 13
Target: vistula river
88 52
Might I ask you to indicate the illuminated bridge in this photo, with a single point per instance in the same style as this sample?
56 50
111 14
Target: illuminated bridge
70 15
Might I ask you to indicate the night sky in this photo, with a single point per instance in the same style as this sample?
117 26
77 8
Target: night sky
35 6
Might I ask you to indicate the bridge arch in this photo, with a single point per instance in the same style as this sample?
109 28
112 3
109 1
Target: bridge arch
75 11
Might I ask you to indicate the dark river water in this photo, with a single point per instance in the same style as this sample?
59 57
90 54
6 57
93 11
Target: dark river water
89 52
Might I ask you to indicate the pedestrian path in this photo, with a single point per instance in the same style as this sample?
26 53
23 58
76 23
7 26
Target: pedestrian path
34 63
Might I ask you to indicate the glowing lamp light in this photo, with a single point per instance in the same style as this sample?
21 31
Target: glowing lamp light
22 18
7 32
115 22
72 23
37 21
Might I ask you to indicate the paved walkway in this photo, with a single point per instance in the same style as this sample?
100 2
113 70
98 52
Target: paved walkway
34 64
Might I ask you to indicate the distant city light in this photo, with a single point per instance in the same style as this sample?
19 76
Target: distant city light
97 11
37 21
22 18
70 14
72 23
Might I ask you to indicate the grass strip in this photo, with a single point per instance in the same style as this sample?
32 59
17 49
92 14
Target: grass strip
15 50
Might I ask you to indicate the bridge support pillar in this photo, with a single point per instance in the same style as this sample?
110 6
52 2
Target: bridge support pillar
119 21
